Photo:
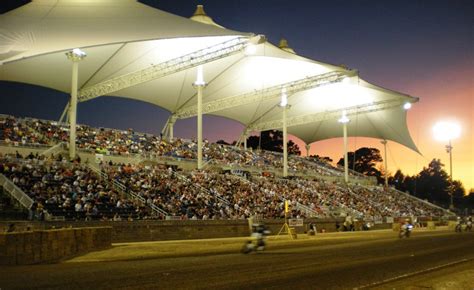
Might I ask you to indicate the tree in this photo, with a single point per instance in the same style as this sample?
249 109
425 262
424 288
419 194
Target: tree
325 159
364 162
272 140
433 183
222 142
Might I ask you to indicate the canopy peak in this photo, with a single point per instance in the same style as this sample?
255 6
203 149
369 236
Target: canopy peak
201 16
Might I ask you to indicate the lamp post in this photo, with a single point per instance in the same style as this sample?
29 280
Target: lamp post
284 105
447 131
344 120
199 84
75 55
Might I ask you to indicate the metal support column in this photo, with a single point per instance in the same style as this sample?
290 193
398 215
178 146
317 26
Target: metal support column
73 111
285 143
199 85
346 164
384 142
171 130
308 147
75 55
449 149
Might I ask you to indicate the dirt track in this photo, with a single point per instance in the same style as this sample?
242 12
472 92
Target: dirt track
337 261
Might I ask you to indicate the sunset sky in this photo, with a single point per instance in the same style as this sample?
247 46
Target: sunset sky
421 48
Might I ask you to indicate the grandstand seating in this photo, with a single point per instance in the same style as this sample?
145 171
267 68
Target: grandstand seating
75 191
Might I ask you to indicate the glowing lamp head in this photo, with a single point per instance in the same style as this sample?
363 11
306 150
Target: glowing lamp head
76 54
251 49
344 119
446 131
346 80
199 77
407 106
284 98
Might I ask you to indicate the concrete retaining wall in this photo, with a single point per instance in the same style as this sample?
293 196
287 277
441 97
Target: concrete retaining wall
46 246
138 231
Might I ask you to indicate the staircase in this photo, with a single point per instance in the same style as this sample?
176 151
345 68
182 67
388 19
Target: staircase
121 188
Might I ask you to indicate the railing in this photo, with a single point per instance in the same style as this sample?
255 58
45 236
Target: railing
120 187
24 145
184 178
53 149
16 192
423 201
307 210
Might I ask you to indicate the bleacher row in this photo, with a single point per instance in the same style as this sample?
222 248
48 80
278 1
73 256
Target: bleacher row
75 191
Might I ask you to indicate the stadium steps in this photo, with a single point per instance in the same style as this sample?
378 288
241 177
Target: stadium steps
121 188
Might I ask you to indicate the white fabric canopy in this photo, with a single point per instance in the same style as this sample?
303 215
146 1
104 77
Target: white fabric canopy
124 36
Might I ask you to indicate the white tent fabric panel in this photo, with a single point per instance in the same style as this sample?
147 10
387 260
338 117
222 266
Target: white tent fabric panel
124 36
387 124
45 26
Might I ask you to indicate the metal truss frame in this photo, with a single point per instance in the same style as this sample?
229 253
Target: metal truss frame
327 115
169 67
267 93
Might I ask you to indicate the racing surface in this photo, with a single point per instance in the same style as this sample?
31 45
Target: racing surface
327 261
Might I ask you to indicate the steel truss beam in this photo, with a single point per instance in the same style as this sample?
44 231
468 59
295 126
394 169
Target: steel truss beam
267 93
328 115
172 66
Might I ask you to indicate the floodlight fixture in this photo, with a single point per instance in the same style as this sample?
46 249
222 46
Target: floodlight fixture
346 80
199 77
446 130
251 49
344 119
76 54
284 98
407 106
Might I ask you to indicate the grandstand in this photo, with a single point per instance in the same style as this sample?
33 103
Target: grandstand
128 175
62 170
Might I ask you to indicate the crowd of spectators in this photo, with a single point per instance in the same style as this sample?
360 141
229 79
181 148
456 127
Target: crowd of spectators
214 195
68 189
72 189
129 142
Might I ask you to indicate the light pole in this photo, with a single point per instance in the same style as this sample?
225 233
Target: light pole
75 55
447 131
344 120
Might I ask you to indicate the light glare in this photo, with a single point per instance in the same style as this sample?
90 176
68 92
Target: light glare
199 77
251 49
344 119
445 130
284 98
407 106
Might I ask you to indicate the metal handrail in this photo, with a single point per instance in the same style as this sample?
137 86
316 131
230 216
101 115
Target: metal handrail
123 189
16 192
182 177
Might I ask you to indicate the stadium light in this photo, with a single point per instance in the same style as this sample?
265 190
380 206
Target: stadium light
199 77
447 131
407 106
344 119
76 55
251 49
284 98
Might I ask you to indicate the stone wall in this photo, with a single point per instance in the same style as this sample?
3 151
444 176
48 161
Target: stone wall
162 230
47 246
